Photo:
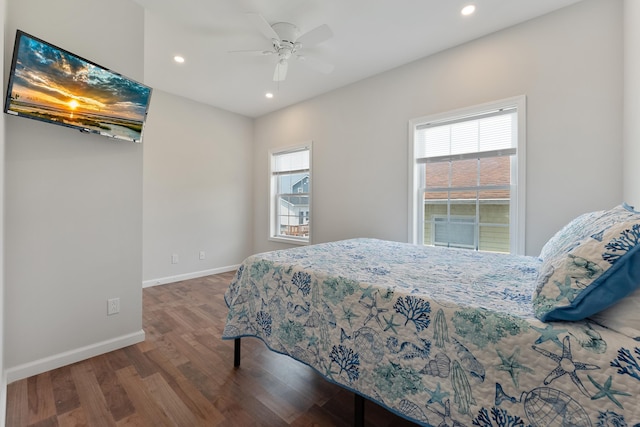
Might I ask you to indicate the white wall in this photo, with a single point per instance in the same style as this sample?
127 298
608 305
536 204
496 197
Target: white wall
73 217
632 102
197 189
568 64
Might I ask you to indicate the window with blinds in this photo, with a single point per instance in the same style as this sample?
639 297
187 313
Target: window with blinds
466 172
290 175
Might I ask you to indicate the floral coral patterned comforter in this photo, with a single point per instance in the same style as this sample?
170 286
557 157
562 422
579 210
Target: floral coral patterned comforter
442 337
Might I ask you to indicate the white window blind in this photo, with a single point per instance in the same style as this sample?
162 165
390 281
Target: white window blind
291 162
485 135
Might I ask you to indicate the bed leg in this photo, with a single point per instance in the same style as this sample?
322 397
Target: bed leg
358 416
236 353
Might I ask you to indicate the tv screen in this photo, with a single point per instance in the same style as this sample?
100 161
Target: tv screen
52 85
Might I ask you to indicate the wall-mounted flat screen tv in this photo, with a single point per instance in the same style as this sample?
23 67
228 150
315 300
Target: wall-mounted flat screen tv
52 85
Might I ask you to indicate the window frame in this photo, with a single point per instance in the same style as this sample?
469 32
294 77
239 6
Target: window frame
518 191
274 196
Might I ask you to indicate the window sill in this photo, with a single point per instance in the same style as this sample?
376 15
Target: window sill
290 240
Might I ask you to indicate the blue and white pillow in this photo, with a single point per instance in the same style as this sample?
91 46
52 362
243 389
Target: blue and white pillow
569 235
592 265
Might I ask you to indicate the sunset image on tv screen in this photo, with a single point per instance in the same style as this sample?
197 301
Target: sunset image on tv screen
53 85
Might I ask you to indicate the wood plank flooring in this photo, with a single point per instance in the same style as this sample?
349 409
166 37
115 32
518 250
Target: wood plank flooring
183 375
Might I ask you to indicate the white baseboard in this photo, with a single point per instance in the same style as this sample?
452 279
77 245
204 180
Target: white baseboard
68 357
187 276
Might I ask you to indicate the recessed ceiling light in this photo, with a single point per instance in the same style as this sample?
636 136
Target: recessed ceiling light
179 59
268 95
468 9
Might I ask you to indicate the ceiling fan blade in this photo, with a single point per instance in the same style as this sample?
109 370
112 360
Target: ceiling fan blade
252 52
263 26
280 72
315 36
316 64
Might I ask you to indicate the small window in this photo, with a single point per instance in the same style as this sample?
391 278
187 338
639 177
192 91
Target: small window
290 176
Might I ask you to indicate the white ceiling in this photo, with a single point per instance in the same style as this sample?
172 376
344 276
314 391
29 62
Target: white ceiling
370 36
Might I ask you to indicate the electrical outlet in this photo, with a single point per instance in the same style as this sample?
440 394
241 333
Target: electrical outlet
202 255
113 306
174 258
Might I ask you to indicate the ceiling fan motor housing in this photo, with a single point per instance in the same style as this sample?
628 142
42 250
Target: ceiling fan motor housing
286 31
287 45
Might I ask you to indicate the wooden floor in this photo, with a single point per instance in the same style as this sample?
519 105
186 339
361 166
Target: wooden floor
183 375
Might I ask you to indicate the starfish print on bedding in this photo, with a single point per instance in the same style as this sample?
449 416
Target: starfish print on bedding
243 312
349 315
374 311
512 366
368 292
313 340
566 365
437 395
289 292
566 291
390 324
605 390
266 289
549 334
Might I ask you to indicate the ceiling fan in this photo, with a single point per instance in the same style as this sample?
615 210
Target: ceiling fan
287 42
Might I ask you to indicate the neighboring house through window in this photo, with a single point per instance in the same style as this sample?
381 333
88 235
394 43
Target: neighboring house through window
467 178
290 174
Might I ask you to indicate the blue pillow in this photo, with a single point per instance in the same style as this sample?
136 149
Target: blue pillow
592 270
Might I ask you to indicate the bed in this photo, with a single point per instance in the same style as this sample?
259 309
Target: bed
452 337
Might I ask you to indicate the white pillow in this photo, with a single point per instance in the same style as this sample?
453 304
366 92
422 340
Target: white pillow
623 317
